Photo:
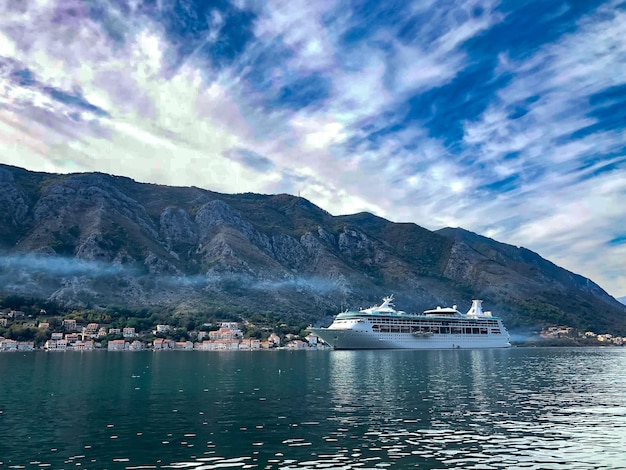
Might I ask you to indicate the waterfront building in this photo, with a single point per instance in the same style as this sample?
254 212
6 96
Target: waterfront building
84 346
220 345
8 345
117 345
25 346
275 339
136 346
160 343
56 345
250 344
183 345
297 344
203 346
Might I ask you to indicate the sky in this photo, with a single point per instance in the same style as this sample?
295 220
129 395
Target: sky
506 118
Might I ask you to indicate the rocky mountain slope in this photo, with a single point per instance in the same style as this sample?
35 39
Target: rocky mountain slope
95 240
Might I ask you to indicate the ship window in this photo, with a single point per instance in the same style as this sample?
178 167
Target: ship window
495 331
475 331
483 331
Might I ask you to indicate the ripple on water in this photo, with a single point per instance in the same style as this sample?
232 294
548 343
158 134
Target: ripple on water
465 409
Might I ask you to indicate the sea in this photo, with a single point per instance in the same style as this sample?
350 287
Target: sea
526 408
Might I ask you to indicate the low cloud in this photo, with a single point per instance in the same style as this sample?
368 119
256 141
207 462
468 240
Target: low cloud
312 284
44 271
60 267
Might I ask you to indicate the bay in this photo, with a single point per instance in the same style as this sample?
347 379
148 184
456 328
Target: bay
537 408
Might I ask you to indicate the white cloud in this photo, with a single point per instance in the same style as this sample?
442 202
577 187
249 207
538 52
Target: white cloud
362 93
424 64
299 25
171 129
366 82
7 46
569 199
317 133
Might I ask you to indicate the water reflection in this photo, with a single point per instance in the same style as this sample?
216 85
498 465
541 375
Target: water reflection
531 408
481 408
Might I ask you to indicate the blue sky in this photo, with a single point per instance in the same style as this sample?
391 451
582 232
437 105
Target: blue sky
506 118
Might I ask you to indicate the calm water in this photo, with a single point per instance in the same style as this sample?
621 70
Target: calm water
516 408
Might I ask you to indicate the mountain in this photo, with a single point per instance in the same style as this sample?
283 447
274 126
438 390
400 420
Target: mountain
94 240
622 300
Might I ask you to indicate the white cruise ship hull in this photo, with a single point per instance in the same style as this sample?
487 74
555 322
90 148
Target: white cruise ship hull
383 327
355 339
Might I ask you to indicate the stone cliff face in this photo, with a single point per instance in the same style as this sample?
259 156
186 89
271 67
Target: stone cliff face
95 239
13 209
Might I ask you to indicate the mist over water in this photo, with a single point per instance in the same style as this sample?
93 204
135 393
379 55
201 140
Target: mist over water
521 335
523 407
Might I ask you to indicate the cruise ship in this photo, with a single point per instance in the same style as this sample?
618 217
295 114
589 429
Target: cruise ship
384 327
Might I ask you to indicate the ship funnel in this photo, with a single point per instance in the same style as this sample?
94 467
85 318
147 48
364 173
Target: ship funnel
476 309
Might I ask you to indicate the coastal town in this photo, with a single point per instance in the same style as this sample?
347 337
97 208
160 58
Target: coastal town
566 333
73 336
67 334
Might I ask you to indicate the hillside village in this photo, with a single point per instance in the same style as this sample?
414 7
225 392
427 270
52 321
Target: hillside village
70 335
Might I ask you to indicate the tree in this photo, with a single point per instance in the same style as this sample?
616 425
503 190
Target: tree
41 337
22 333
182 334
